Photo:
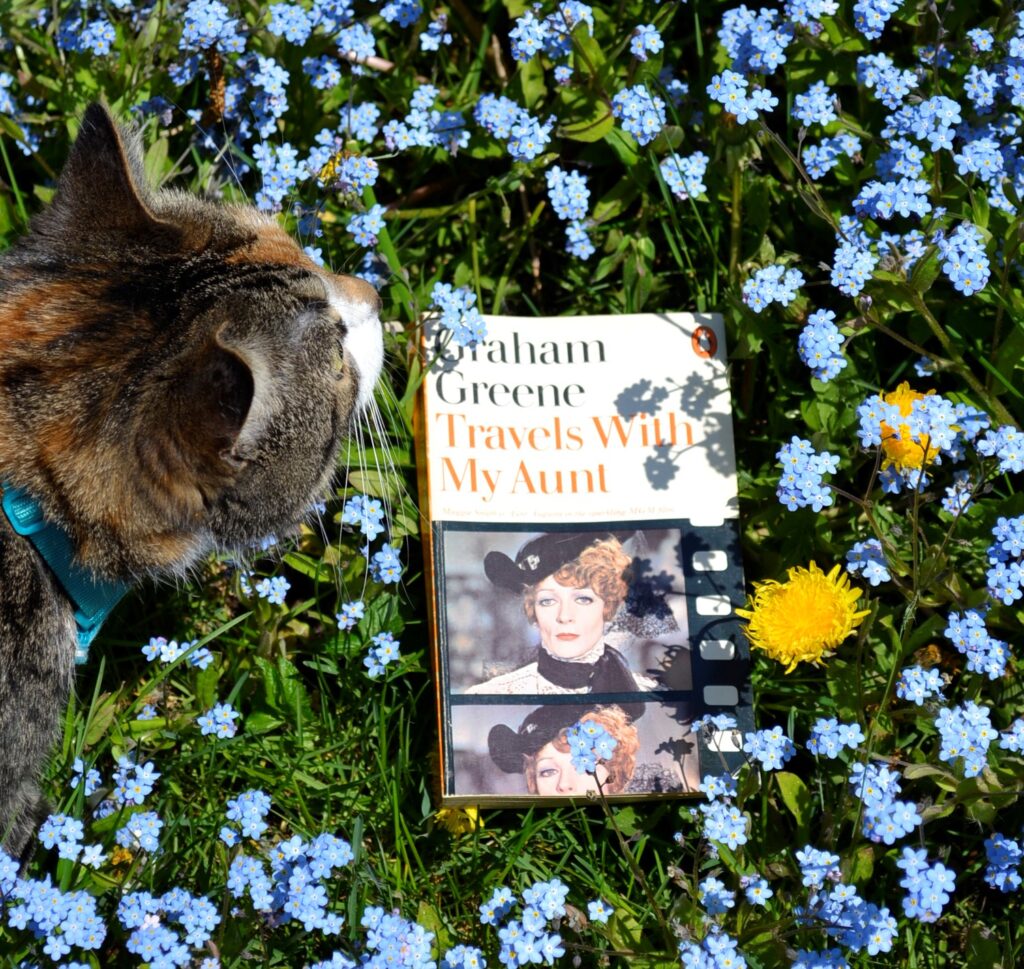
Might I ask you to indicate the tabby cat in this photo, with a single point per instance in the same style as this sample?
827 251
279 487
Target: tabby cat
176 376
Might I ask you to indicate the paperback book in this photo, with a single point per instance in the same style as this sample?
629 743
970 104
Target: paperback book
578 489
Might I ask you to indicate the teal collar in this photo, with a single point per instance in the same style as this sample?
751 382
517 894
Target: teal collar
93 598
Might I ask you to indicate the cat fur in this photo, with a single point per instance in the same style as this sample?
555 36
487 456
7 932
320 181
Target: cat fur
176 376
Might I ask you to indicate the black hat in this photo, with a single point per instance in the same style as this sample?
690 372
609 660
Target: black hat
508 747
538 558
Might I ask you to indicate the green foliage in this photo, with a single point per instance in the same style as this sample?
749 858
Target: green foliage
339 751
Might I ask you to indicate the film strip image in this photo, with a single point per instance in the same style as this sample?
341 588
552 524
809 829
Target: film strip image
630 625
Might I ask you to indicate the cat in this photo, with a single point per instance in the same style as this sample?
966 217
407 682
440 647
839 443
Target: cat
176 376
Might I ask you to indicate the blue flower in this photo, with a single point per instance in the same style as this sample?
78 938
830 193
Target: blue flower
1004 857
351 613
645 40
684 175
140 832
497 906
599 911
829 737
928 886
249 811
756 889
816 105
459 314
772 748
966 733
385 566
384 650
589 743
868 559
715 897
772 284
970 636
290 21
273 590
918 685
219 720
641 113
819 345
802 483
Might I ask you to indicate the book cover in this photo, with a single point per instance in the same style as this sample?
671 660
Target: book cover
578 489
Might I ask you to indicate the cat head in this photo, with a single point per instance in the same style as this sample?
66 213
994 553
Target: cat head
176 375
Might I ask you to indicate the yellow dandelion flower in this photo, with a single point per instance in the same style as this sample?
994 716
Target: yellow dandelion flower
800 620
902 452
459 820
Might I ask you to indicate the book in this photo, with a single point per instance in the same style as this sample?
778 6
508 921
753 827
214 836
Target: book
578 489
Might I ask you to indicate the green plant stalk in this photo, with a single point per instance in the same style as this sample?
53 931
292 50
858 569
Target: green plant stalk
637 871
735 226
993 404
19 200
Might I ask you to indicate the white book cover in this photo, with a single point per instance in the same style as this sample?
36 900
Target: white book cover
579 497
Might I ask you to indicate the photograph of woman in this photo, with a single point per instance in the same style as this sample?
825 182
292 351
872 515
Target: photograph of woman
540 751
571 584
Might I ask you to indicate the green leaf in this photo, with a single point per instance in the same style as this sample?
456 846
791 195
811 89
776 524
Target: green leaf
795 796
982 949
861 866
586 117
156 161
925 272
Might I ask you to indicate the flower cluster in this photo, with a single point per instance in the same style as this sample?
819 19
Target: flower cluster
383 651
965 732
219 720
570 197
132 783
249 812
771 748
525 137
772 284
141 832
385 565
527 939
364 513
61 919
829 737
351 613
867 559
293 889
273 589
641 113
918 685
716 950
459 314
928 886
1004 856
819 345
734 93
885 817
167 651
802 483
969 634
1006 560
151 936
684 175
589 743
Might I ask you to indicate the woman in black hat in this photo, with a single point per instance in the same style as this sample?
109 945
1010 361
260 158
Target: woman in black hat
539 751
572 584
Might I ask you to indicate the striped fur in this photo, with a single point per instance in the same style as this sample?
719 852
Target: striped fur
175 376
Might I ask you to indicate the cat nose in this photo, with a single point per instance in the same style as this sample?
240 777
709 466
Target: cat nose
358 306
358 291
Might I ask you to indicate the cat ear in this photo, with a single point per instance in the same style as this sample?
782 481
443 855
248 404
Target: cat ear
103 184
219 392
